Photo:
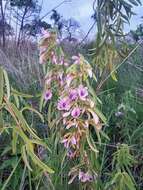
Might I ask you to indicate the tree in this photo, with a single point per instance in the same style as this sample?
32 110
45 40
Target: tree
2 16
138 33
70 28
66 27
110 18
35 27
26 10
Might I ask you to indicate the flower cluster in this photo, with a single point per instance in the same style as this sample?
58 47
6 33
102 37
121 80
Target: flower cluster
84 177
55 63
74 102
76 106
78 113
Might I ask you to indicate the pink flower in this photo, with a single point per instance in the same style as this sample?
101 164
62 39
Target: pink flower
61 61
69 79
54 59
61 78
66 64
73 140
72 124
42 59
65 142
89 72
48 95
86 124
95 116
64 104
58 41
73 94
48 81
66 114
76 112
82 92
76 59
46 33
42 50
85 177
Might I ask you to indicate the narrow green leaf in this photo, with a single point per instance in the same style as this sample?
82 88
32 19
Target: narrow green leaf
38 162
14 141
21 94
7 84
1 86
34 110
24 157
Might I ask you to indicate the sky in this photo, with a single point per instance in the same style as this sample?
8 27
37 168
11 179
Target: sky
81 11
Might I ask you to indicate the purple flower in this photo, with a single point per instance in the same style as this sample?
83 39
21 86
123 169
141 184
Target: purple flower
64 104
46 33
82 92
73 140
61 61
61 78
69 79
76 59
48 95
73 94
70 154
42 59
65 142
54 59
48 81
76 112
85 177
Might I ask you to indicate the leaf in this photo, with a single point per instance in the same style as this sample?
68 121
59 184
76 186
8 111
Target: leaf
1 86
137 134
6 150
92 92
8 179
14 141
38 162
41 102
104 135
21 94
116 178
7 84
23 122
49 115
16 100
40 142
1 120
34 110
134 2
128 181
92 146
24 157
102 117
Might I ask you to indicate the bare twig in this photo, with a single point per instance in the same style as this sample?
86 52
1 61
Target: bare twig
63 2
85 37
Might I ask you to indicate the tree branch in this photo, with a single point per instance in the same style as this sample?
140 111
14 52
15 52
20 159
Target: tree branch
65 1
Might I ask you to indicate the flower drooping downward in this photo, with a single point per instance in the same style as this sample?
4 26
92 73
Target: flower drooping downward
85 177
73 94
82 92
76 112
